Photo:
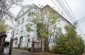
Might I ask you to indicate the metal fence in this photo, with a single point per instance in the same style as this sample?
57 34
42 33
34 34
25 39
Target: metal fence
36 46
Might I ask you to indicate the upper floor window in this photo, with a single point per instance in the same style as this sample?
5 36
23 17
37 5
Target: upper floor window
23 11
22 29
18 23
17 31
22 21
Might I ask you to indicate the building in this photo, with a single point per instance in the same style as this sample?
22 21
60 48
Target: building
61 22
24 38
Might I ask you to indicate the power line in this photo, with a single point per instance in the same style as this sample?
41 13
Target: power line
60 10
70 10
73 16
74 19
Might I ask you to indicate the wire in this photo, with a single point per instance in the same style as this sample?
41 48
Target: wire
54 4
74 19
68 10
60 10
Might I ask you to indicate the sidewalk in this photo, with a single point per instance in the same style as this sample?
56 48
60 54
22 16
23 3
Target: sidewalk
20 52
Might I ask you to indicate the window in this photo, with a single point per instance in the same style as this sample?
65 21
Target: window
16 40
22 29
22 20
23 11
18 23
21 39
28 35
28 40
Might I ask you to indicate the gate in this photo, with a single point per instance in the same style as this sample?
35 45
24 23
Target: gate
36 46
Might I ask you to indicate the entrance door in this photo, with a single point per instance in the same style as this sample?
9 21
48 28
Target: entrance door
20 41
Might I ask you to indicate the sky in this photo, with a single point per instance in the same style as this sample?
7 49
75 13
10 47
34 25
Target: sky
78 9
76 6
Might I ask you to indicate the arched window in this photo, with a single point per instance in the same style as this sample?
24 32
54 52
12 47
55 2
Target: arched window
21 39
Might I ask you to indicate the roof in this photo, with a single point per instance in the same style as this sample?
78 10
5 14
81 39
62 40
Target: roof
57 13
26 6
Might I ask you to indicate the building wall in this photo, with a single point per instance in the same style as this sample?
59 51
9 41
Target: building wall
26 18
21 29
61 22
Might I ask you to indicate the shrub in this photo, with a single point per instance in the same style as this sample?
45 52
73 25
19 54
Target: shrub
2 27
69 43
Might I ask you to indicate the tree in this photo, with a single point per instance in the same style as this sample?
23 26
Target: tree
69 43
42 26
2 36
2 27
43 34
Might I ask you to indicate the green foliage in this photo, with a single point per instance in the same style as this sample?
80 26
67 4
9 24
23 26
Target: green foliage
69 43
28 27
51 14
42 30
2 27
48 15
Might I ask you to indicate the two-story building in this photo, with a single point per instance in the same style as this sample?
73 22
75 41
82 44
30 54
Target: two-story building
24 38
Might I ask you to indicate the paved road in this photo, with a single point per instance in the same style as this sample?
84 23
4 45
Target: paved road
6 50
17 52
20 52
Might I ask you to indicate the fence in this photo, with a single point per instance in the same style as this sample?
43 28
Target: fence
36 46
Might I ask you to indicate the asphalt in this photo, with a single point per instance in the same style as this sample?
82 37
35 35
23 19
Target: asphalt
17 52
20 52
6 50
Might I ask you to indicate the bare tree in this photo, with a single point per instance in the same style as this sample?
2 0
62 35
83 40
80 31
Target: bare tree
5 5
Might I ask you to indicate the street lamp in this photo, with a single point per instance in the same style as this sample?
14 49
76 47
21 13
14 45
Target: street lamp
78 21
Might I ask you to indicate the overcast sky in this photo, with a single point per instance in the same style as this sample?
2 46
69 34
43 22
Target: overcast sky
77 7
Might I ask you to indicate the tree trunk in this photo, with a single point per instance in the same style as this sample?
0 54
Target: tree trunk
2 41
46 44
42 44
2 45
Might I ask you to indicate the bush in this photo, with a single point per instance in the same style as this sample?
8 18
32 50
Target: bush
69 43
3 27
